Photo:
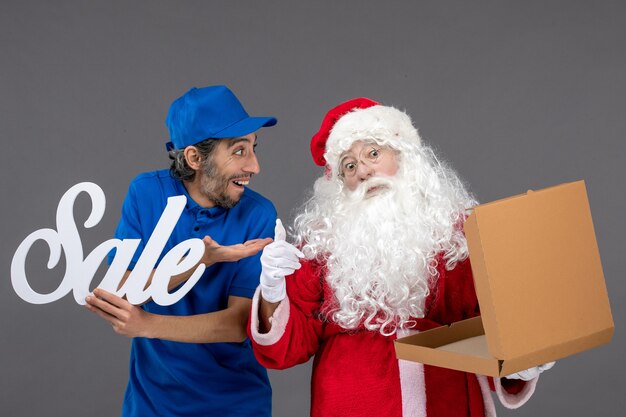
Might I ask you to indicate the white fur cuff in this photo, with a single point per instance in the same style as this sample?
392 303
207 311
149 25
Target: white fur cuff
515 400
279 321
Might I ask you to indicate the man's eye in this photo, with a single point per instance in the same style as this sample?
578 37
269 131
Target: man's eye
374 153
349 166
239 152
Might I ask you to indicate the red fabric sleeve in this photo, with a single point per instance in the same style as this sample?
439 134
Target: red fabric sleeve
301 338
512 386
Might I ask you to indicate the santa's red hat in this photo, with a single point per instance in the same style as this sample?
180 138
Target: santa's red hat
318 142
360 119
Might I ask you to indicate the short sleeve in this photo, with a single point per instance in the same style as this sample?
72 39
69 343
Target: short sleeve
129 226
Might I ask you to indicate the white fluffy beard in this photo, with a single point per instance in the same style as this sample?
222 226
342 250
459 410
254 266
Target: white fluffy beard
381 249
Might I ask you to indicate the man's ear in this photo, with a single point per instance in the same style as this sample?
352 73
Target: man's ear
193 157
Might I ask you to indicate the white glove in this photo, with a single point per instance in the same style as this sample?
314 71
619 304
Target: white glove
531 373
278 260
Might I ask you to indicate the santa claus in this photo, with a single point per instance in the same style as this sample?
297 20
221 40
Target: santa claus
379 253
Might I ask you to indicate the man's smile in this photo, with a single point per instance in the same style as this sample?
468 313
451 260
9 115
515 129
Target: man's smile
241 182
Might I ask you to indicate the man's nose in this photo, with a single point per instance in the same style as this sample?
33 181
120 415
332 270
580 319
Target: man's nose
364 171
252 165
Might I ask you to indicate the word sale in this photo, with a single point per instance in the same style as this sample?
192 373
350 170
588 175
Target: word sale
80 271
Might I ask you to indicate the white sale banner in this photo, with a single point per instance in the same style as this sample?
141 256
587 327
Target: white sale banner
80 270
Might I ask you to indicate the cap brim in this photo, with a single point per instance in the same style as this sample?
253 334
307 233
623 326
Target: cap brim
244 127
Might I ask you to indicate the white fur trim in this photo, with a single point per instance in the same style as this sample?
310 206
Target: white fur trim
278 320
490 408
513 401
383 124
412 384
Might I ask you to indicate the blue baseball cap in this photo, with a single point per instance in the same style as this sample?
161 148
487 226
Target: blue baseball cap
210 113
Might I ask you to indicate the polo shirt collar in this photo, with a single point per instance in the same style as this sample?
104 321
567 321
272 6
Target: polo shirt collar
195 207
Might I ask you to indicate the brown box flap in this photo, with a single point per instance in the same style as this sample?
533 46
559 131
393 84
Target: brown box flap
537 271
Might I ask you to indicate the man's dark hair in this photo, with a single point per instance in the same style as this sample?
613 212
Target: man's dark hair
179 167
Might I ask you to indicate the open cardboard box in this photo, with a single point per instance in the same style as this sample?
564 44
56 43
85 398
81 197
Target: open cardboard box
539 283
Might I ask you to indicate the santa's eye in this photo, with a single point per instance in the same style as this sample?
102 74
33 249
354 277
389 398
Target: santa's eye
348 168
373 154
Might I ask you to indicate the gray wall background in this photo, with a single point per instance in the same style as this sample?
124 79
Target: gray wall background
516 95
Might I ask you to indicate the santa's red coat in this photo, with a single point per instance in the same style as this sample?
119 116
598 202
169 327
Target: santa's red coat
356 373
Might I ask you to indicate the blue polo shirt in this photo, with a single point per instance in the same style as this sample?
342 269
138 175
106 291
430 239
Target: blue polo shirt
190 379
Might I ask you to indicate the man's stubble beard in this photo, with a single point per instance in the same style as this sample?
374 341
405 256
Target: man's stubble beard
214 185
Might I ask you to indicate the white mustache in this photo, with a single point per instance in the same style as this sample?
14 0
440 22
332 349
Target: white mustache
360 193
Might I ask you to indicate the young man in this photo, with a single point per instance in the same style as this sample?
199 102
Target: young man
193 358
384 257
